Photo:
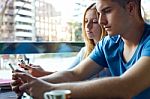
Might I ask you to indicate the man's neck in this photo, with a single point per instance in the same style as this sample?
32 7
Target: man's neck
133 37
131 40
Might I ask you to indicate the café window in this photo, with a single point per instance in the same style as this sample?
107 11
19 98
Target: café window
42 32
45 31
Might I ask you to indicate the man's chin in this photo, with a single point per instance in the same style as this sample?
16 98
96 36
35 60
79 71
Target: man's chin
111 34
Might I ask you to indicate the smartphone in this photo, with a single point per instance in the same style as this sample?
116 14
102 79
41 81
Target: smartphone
12 68
23 62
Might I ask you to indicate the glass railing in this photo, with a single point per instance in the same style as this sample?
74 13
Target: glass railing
51 56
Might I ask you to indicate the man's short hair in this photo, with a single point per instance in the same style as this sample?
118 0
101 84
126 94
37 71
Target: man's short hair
123 3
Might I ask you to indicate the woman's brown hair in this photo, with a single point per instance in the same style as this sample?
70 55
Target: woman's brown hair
89 43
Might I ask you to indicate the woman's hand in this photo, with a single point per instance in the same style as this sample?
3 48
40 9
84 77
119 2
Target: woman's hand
35 70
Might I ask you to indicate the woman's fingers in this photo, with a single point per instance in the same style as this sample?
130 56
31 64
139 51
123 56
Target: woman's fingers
24 77
25 66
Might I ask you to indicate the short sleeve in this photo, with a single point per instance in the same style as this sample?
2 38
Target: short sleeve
146 49
78 58
98 56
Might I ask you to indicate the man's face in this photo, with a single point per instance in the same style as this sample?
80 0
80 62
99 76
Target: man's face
112 16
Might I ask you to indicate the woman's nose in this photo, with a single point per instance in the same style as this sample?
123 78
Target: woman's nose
89 25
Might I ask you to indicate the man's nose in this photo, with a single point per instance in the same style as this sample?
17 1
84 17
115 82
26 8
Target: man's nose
102 19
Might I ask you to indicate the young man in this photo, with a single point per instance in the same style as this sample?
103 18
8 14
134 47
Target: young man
126 52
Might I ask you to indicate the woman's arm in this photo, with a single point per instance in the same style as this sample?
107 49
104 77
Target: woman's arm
83 71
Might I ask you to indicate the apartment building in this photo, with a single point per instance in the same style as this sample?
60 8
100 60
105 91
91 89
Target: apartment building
7 23
24 20
18 21
29 20
48 21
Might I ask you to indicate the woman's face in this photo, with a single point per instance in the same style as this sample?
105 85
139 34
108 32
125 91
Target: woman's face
92 28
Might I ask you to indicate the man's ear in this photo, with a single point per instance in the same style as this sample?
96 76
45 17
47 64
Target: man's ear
131 8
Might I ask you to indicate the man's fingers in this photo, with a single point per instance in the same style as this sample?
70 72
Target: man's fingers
15 86
16 89
24 77
16 82
17 70
24 87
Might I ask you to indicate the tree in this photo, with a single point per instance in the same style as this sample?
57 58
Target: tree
3 6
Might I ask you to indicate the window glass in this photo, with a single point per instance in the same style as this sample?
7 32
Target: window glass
49 20
49 61
44 21
146 10
50 56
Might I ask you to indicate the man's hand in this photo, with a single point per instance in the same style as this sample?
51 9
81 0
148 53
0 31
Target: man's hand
31 85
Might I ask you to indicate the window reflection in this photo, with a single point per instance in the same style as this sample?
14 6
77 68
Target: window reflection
42 20
52 56
50 62
46 20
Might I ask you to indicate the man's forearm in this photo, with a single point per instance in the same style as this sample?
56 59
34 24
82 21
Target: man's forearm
106 88
62 76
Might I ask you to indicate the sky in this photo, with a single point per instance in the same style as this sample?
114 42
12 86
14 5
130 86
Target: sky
67 6
62 5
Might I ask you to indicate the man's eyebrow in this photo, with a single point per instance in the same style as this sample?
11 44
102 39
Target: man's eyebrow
105 8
